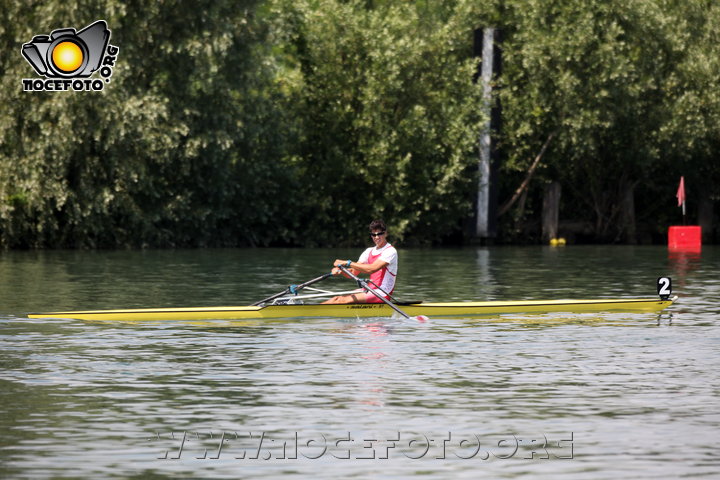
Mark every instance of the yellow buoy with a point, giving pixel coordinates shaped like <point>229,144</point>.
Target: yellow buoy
<point>557,242</point>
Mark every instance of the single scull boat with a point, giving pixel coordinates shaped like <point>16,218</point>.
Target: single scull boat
<point>288,304</point>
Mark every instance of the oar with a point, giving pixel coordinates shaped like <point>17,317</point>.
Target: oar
<point>293,289</point>
<point>365,285</point>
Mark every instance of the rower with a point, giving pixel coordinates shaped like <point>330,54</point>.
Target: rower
<point>379,261</point>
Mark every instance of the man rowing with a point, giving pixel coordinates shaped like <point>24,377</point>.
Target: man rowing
<point>380,262</point>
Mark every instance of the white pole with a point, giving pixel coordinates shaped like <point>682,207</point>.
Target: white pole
<point>483,198</point>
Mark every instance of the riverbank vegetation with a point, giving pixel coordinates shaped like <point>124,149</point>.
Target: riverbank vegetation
<point>294,122</point>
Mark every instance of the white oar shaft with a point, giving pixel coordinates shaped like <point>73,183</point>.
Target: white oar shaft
<point>293,289</point>
<point>364,284</point>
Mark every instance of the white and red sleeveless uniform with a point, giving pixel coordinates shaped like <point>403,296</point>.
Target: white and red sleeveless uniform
<point>385,277</point>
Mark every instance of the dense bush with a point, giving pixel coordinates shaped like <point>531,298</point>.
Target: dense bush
<point>286,122</point>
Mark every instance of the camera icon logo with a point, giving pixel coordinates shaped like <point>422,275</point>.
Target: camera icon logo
<point>68,54</point>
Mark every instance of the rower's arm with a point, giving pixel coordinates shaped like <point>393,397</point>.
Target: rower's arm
<point>368,268</point>
<point>336,270</point>
<point>358,268</point>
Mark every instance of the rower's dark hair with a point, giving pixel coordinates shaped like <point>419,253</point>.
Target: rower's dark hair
<point>378,225</point>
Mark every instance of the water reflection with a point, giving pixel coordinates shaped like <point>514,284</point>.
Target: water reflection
<point>374,355</point>
<point>682,262</point>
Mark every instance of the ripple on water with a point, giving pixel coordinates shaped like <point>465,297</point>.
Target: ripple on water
<point>633,395</point>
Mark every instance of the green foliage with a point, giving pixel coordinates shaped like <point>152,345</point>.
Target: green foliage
<point>388,113</point>
<point>629,86</point>
<point>296,122</point>
<point>180,149</point>
<point>690,130</point>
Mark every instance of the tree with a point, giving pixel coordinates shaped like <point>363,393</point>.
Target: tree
<point>606,75</point>
<point>388,114</point>
<point>182,148</point>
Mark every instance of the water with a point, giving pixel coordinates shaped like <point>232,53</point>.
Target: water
<point>585,396</point>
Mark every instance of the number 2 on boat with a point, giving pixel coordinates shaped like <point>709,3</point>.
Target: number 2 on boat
<point>664,287</point>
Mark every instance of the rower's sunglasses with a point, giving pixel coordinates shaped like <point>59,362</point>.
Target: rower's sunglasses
<point>377,234</point>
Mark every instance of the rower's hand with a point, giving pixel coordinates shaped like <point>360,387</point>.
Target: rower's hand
<point>336,267</point>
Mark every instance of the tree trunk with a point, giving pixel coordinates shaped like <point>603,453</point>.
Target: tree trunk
<point>550,211</point>
<point>627,230</point>
<point>705,217</point>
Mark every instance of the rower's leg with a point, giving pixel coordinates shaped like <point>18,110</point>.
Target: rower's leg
<point>346,299</point>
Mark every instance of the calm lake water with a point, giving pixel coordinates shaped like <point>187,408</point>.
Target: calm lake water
<point>583,396</point>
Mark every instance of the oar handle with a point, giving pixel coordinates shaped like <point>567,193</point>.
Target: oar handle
<point>360,281</point>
